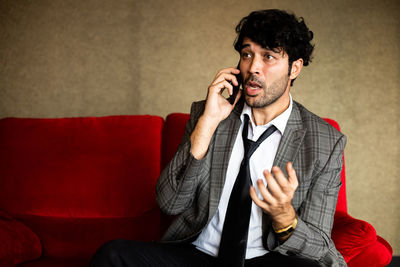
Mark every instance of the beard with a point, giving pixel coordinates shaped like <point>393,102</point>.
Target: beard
<point>269,94</point>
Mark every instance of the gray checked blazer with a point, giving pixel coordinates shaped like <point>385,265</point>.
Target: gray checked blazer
<point>191,188</point>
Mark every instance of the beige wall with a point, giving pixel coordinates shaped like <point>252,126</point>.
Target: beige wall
<point>93,58</point>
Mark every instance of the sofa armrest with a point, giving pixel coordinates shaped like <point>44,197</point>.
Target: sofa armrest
<point>17,242</point>
<point>352,236</point>
<point>378,254</point>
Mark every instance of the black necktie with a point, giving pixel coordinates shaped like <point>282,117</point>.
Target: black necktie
<point>232,249</point>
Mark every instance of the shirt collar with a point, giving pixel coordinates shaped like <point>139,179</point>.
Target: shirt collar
<point>279,122</point>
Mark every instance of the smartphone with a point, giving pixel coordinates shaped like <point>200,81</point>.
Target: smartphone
<point>236,89</point>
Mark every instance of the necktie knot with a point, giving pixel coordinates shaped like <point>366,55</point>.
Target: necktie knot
<point>249,145</point>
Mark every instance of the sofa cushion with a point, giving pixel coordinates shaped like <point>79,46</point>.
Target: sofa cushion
<point>351,236</point>
<point>17,242</point>
<point>79,238</point>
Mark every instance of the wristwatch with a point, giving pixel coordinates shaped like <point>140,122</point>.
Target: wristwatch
<point>287,230</point>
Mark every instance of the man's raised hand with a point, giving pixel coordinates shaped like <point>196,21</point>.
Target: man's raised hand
<point>278,195</point>
<point>217,106</point>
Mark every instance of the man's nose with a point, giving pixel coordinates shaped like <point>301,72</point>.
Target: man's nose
<point>256,65</point>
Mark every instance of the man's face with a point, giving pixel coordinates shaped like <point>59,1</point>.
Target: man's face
<point>265,74</point>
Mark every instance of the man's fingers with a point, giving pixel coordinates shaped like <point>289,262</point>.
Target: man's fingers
<point>237,97</point>
<point>292,177</point>
<point>228,71</point>
<point>268,198</point>
<point>284,183</point>
<point>219,87</point>
<point>279,176</point>
<point>253,194</point>
<point>228,75</point>
<point>272,184</point>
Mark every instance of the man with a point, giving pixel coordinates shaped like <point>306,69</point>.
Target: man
<point>244,197</point>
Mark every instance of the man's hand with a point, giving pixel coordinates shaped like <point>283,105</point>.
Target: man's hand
<point>277,196</point>
<point>217,109</point>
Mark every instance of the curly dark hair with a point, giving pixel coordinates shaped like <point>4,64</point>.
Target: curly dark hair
<point>277,29</point>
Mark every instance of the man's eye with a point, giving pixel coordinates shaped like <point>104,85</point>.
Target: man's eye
<point>245,55</point>
<point>269,56</point>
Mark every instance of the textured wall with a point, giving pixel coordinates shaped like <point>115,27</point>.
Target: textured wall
<point>94,58</point>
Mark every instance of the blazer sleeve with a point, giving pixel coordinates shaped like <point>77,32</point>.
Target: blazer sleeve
<point>177,184</point>
<point>311,237</point>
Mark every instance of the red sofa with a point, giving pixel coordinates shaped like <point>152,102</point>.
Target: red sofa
<point>68,185</point>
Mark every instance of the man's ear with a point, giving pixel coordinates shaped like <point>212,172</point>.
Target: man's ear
<point>296,68</point>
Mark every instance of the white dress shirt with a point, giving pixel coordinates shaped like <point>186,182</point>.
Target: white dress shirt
<point>262,159</point>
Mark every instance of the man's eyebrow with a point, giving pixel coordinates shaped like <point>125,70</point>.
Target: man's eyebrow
<point>244,46</point>
<point>277,50</point>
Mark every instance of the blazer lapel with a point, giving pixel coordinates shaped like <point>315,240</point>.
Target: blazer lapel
<point>291,140</point>
<point>222,146</point>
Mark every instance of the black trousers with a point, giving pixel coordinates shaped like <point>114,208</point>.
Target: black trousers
<point>149,254</point>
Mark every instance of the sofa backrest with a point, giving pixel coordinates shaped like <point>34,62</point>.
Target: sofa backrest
<point>175,128</point>
<point>67,172</point>
<point>342,198</point>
